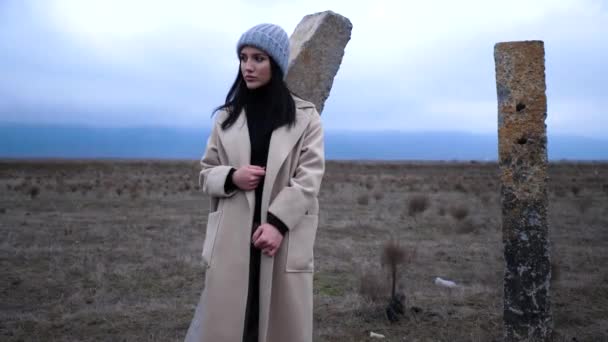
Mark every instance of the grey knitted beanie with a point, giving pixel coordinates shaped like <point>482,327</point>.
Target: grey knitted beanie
<point>270,38</point>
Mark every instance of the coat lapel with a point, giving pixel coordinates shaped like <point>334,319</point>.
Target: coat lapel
<point>282,142</point>
<point>235,141</point>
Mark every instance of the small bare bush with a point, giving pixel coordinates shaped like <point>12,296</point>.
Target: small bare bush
<point>134,191</point>
<point>418,204</point>
<point>466,227</point>
<point>477,190</point>
<point>459,212</point>
<point>363,199</point>
<point>559,192</point>
<point>21,186</point>
<point>34,191</point>
<point>584,204</point>
<point>369,183</point>
<point>459,187</point>
<point>394,256</point>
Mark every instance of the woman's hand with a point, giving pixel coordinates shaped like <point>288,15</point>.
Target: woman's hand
<point>267,238</point>
<point>248,177</point>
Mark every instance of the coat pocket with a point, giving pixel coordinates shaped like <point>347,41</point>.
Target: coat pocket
<point>301,240</point>
<point>213,223</point>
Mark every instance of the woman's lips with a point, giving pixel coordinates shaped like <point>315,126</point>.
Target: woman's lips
<point>250,78</point>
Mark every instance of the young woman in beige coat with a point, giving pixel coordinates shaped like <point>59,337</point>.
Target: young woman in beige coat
<point>262,169</point>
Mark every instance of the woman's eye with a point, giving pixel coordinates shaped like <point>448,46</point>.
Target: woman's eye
<point>243,58</point>
<point>259,58</point>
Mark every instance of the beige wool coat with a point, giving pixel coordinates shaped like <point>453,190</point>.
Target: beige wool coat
<point>294,170</point>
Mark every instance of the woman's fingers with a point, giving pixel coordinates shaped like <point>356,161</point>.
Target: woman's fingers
<point>262,244</point>
<point>257,173</point>
<point>253,183</point>
<point>256,234</point>
<point>256,168</point>
<point>259,239</point>
<point>263,239</point>
<point>268,251</point>
<point>271,251</point>
<point>248,177</point>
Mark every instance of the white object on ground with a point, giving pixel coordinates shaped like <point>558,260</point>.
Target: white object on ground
<point>445,283</point>
<point>374,335</point>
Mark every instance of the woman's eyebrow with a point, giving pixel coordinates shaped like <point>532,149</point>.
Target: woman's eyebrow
<point>255,54</point>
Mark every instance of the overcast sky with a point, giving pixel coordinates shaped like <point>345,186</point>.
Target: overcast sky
<point>410,65</point>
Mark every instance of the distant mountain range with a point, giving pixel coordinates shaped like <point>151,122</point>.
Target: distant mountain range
<point>63,141</point>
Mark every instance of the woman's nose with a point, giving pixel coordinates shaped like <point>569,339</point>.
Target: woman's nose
<point>249,66</point>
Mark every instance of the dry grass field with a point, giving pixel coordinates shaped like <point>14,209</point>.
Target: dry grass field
<point>110,250</point>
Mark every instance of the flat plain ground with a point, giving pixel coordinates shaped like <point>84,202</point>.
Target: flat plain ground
<point>110,250</point>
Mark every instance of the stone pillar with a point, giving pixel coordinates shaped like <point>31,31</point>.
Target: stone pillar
<point>522,144</point>
<point>317,47</point>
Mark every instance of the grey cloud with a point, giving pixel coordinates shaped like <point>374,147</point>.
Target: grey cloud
<point>177,77</point>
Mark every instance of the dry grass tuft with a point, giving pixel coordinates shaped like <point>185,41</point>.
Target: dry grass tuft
<point>378,195</point>
<point>460,188</point>
<point>459,212</point>
<point>559,192</point>
<point>418,204</point>
<point>466,227</point>
<point>583,204</point>
<point>363,199</point>
<point>34,191</point>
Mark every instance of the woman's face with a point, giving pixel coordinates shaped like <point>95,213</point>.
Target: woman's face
<point>255,67</point>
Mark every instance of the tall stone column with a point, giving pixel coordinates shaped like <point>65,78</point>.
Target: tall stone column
<point>317,47</point>
<point>522,144</point>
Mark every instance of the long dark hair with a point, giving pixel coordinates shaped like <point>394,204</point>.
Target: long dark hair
<point>281,104</point>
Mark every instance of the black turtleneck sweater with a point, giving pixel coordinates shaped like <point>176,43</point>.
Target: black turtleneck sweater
<point>261,125</point>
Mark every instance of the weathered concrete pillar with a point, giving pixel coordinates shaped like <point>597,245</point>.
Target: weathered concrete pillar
<point>522,144</point>
<point>317,47</point>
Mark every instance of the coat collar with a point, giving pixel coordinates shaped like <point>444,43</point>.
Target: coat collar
<point>235,142</point>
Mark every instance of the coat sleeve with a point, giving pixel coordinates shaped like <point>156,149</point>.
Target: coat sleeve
<point>291,204</point>
<point>212,178</point>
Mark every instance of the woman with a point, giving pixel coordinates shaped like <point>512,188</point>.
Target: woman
<point>262,169</point>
